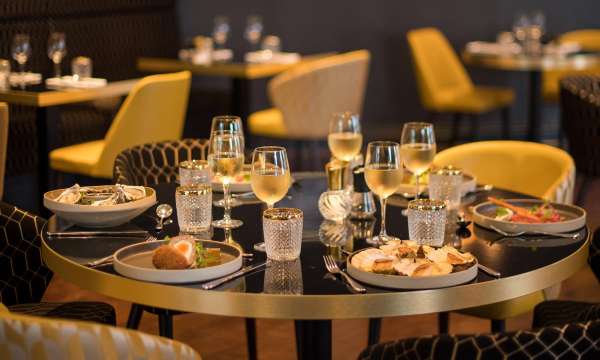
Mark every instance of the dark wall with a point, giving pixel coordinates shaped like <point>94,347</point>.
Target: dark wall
<point>311,26</point>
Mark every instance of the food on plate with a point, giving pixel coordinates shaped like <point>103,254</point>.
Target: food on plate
<point>537,214</point>
<point>242,178</point>
<point>183,252</point>
<point>101,195</point>
<point>407,258</point>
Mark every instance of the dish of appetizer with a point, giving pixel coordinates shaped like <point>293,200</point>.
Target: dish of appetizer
<point>241,183</point>
<point>181,259</point>
<point>407,265</point>
<point>532,215</point>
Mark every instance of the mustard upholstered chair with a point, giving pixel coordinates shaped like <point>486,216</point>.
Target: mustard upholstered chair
<point>446,88</point>
<point>153,111</point>
<point>35,338</point>
<point>589,40</point>
<point>307,95</point>
<point>531,168</point>
<point>3,143</point>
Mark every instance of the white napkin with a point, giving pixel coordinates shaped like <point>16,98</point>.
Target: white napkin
<point>205,57</point>
<point>270,57</point>
<point>17,78</point>
<point>68,81</point>
<point>493,48</point>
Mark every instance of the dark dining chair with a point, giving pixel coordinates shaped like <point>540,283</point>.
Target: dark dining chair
<point>151,164</point>
<point>25,277</point>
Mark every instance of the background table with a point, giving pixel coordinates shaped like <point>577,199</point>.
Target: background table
<point>525,269</point>
<point>534,66</point>
<point>44,99</point>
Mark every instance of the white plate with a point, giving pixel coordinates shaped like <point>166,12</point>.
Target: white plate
<point>484,215</point>
<point>409,282</point>
<point>469,184</point>
<point>235,187</point>
<point>98,216</point>
<point>135,261</point>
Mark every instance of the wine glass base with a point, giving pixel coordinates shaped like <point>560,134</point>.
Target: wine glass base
<point>227,224</point>
<point>260,247</point>
<point>233,202</point>
<point>381,239</point>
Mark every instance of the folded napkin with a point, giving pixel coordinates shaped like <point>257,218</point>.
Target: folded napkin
<point>17,78</point>
<point>493,48</point>
<point>270,57</point>
<point>82,83</point>
<point>197,57</point>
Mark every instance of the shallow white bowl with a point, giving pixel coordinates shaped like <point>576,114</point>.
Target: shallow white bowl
<point>98,216</point>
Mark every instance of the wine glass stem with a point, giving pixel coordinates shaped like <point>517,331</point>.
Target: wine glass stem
<point>226,202</point>
<point>382,231</point>
<point>417,178</point>
<point>270,205</point>
<point>57,69</point>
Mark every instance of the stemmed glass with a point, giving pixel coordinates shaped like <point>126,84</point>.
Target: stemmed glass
<point>234,124</point>
<point>254,28</point>
<point>383,173</point>
<point>417,149</point>
<point>220,31</point>
<point>345,138</point>
<point>270,177</point>
<point>520,26</point>
<point>226,158</point>
<point>21,50</point>
<point>57,49</point>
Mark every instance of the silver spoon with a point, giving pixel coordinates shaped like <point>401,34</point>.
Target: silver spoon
<point>163,211</point>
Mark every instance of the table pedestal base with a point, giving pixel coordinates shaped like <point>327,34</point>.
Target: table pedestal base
<point>313,339</point>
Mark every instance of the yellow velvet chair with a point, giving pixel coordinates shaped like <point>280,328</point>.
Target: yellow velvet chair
<point>153,111</point>
<point>3,143</point>
<point>446,88</point>
<point>589,40</point>
<point>307,95</point>
<point>530,168</point>
<point>35,338</point>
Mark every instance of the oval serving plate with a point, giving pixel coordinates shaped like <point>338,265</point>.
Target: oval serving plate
<point>99,216</point>
<point>135,261</point>
<point>408,282</point>
<point>484,215</point>
<point>469,184</point>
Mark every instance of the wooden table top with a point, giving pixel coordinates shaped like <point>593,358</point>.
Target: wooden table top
<point>41,96</point>
<point>231,69</point>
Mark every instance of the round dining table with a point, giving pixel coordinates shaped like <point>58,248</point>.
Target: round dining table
<point>303,290</point>
<point>533,65</point>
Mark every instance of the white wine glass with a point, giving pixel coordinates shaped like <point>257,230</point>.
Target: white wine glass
<point>345,138</point>
<point>234,124</point>
<point>226,159</point>
<point>253,32</point>
<point>221,31</point>
<point>417,149</point>
<point>383,173</point>
<point>21,50</point>
<point>57,49</point>
<point>270,177</point>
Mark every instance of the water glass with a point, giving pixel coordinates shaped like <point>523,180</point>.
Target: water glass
<point>194,208</point>
<point>445,184</point>
<point>427,221</point>
<point>282,229</point>
<point>271,43</point>
<point>81,67</point>
<point>283,277</point>
<point>4,74</point>
<point>194,172</point>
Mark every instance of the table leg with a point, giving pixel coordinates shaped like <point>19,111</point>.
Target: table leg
<point>313,339</point>
<point>42,154</point>
<point>535,103</point>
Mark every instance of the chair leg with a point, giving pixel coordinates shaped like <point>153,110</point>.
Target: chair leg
<point>505,115</point>
<point>474,127</point>
<point>498,326</point>
<point>443,322</point>
<point>585,185</point>
<point>374,331</point>
<point>135,316</point>
<point>165,324</point>
<point>455,128</point>
<point>251,338</point>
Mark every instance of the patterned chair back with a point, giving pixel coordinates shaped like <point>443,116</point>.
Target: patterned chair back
<point>29,337</point>
<point>154,163</point>
<point>24,277</point>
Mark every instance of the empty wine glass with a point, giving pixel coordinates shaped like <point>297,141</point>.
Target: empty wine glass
<point>254,28</point>
<point>226,159</point>
<point>21,50</point>
<point>417,149</point>
<point>345,138</point>
<point>537,25</point>
<point>221,31</point>
<point>383,173</point>
<point>57,49</point>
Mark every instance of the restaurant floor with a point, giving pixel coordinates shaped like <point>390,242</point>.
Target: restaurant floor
<point>222,337</point>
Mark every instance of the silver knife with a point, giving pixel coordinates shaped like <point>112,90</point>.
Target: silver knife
<point>213,284</point>
<point>489,271</point>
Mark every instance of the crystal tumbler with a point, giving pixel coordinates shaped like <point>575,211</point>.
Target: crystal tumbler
<point>194,208</point>
<point>283,277</point>
<point>193,172</point>
<point>427,221</point>
<point>81,68</point>
<point>445,184</point>
<point>282,229</point>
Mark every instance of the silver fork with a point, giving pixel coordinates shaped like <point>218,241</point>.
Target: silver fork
<point>108,259</point>
<point>519,233</point>
<point>333,268</point>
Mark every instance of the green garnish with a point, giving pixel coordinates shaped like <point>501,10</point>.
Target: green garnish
<point>501,211</point>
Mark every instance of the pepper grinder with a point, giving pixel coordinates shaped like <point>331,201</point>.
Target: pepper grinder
<point>363,203</point>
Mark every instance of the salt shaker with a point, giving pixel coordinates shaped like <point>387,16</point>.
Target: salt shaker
<point>363,203</point>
